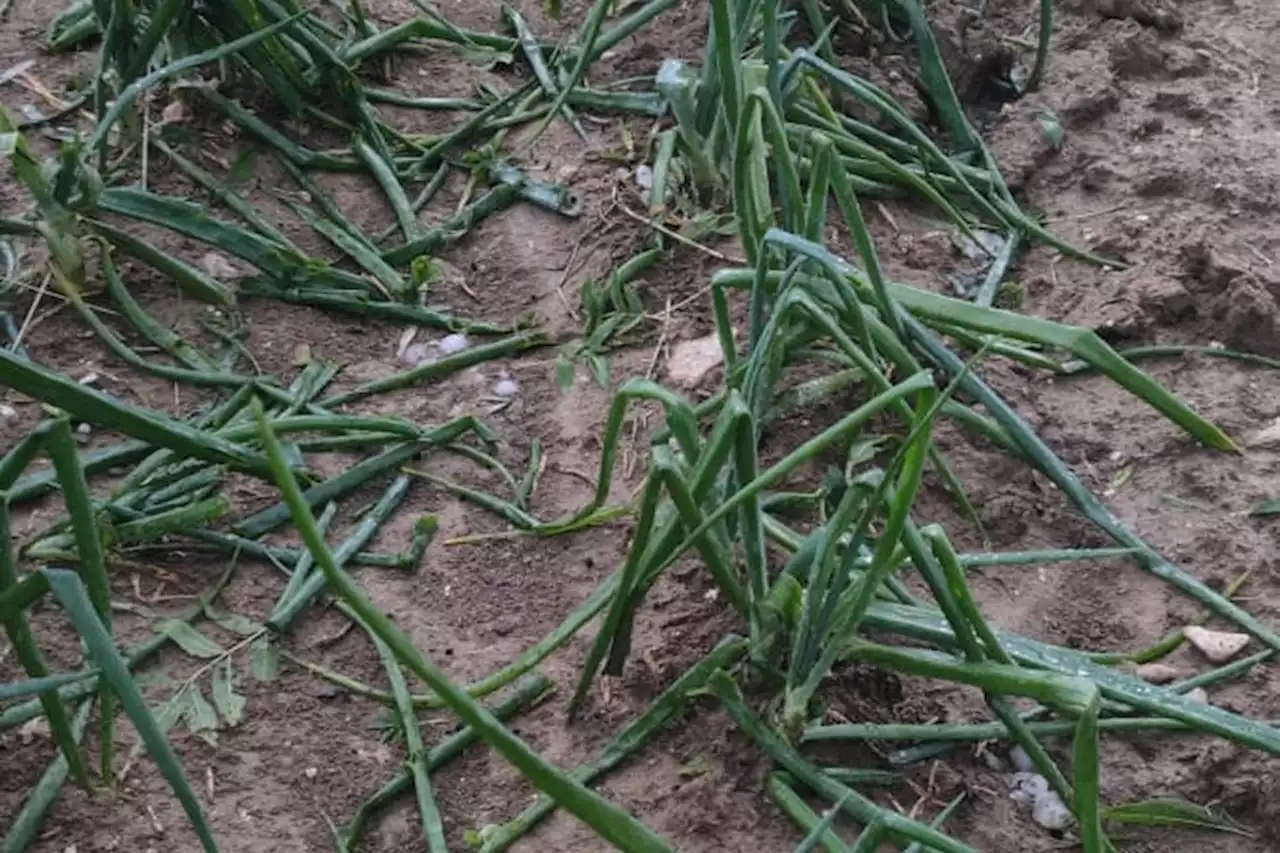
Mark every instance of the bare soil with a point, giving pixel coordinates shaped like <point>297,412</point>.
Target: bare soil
<point>1171,160</point>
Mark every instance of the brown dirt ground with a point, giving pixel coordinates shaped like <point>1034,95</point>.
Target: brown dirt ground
<point>1171,159</point>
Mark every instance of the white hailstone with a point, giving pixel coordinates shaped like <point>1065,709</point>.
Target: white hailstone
<point>506,387</point>
<point>1031,790</point>
<point>1050,812</point>
<point>454,343</point>
<point>1020,760</point>
<point>218,266</point>
<point>1027,787</point>
<point>1197,696</point>
<point>7,412</point>
<point>416,354</point>
<point>644,177</point>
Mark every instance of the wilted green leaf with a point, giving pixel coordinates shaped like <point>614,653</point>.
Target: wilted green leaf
<point>422,270</point>
<point>486,57</point>
<point>699,765</point>
<point>172,711</point>
<point>1054,135</point>
<point>264,659</point>
<point>1168,811</point>
<point>150,678</point>
<point>200,717</point>
<point>564,372</point>
<point>599,365</point>
<point>233,622</point>
<point>189,639</point>
<point>1266,508</point>
<point>230,704</point>
<point>863,451</point>
<point>243,167</point>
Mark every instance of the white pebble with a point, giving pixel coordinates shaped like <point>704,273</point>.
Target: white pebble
<point>1156,673</point>
<point>1198,696</point>
<point>1050,812</point>
<point>7,412</point>
<point>644,177</point>
<point>1020,760</point>
<point>453,344</point>
<point>506,387</point>
<point>1217,646</point>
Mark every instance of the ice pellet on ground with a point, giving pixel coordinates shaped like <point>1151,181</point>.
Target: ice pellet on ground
<point>454,343</point>
<point>1050,812</point>
<point>1020,760</point>
<point>506,387</point>
<point>644,177</point>
<point>1027,787</point>
<point>416,354</point>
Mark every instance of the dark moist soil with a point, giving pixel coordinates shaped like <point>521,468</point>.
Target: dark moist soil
<point>1170,161</point>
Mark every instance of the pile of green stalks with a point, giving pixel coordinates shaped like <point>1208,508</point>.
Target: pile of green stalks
<point>768,134</point>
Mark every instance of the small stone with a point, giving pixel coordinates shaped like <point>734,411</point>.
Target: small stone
<point>454,343</point>
<point>311,772</point>
<point>302,355</point>
<point>1268,436</point>
<point>1197,696</point>
<point>329,691</point>
<point>1217,646</point>
<point>1050,812</point>
<point>218,266</point>
<point>1156,673</point>
<point>173,112</point>
<point>691,361</point>
<point>37,727</point>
